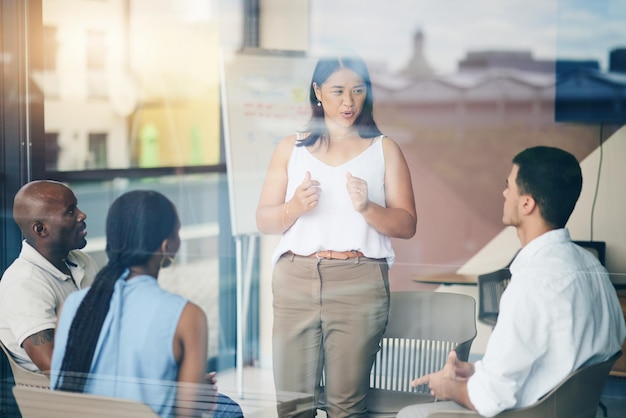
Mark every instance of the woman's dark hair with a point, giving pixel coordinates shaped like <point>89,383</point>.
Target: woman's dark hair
<point>136,225</point>
<point>316,128</point>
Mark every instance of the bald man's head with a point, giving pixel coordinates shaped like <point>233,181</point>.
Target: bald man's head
<point>47,214</point>
<point>31,202</point>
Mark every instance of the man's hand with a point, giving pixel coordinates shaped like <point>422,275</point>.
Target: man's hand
<point>462,369</point>
<point>437,382</point>
<point>449,382</point>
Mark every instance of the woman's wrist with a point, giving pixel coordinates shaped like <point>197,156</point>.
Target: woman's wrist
<point>285,216</point>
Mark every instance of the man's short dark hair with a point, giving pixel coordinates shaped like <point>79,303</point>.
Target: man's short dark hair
<point>553,178</point>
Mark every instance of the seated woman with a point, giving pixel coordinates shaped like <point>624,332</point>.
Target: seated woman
<point>125,336</point>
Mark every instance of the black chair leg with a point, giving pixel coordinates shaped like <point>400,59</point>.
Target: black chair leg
<point>604,409</point>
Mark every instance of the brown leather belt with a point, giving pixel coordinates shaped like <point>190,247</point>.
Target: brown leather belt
<point>333,255</point>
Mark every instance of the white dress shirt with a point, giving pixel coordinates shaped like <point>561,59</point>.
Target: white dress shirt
<point>559,312</point>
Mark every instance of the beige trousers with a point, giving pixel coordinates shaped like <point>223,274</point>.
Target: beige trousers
<point>329,316</point>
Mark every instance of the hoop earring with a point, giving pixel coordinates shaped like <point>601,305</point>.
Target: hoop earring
<point>319,104</point>
<point>166,261</point>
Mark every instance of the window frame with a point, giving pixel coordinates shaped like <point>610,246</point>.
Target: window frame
<point>23,159</point>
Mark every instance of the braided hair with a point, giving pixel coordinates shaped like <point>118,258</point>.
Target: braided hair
<point>136,225</point>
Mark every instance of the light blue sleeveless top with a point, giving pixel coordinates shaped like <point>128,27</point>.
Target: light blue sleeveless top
<point>134,356</point>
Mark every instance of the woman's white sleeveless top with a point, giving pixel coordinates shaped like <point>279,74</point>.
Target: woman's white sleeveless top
<point>334,224</point>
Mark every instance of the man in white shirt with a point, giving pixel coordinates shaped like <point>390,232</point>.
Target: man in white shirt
<point>49,268</point>
<point>559,312</point>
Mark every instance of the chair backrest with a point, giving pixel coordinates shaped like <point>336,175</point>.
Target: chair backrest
<point>423,328</point>
<point>577,396</point>
<point>39,402</point>
<point>25,377</point>
<point>491,286</point>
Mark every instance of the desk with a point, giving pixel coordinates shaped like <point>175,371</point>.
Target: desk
<point>448,279</point>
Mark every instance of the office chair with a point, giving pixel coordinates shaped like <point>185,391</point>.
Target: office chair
<point>491,286</point>
<point>25,377</point>
<point>423,328</point>
<point>577,396</point>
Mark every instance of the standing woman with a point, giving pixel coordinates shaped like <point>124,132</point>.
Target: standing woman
<point>336,192</point>
<point>125,336</point>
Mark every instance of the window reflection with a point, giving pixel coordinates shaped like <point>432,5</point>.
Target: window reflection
<point>463,91</point>
<point>130,83</point>
<point>135,84</point>
<point>195,273</point>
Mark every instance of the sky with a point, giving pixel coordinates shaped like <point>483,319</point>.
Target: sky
<point>383,30</point>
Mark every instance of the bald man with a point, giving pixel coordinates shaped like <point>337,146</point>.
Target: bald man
<point>49,268</point>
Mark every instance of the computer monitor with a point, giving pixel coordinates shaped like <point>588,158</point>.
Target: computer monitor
<point>597,248</point>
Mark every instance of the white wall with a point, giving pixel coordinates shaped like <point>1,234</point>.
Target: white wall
<point>609,220</point>
<point>609,223</point>
<point>284,24</point>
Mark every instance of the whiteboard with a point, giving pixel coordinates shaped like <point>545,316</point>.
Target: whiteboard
<point>264,99</point>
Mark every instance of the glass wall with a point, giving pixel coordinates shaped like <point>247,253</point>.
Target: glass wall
<point>196,273</point>
<point>114,95</point>
<point>122,95</point>
<point>130,86</point>
<point>464,86</point>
